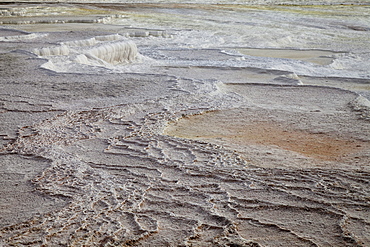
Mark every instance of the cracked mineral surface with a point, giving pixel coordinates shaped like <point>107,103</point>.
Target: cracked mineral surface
<point>151,123</point>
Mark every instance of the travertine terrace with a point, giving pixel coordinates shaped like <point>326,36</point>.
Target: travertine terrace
<point>170,123</point>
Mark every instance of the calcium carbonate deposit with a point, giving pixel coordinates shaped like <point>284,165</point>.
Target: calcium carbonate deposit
<point>185,123</point>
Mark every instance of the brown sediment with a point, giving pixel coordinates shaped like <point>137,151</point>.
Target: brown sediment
<point>228,126</point>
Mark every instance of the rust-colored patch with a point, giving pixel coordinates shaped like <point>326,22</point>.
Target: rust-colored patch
<point>226,126</point>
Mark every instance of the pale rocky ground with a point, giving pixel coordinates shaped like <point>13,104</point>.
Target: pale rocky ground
<point>184,125</point>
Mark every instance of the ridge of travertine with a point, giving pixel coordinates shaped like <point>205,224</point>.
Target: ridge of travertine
<point>149,188</point>
<point>94,145</point>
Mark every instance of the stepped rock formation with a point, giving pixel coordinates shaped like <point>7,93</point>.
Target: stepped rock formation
<point>185,124</point>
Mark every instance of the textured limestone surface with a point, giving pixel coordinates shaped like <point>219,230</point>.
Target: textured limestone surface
<point>185,124</point>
